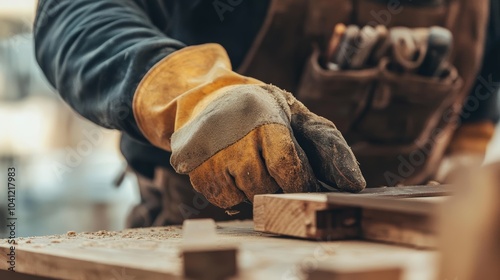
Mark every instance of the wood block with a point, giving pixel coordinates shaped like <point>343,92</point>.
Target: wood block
<point>388,216</point>
<point>211,262</point>
<point>282,214</point>
<point>355,273</point>
<point>202,257</point>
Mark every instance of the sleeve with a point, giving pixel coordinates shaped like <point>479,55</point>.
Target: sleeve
<point>95,53</point>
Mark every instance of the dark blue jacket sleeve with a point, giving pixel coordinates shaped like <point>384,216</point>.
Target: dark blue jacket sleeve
<point>95,53</point>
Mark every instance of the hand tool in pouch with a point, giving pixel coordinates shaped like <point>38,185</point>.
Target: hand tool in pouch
<point>366,40</point>
<point>347,48</point>
<point>439,46</point>
<point>333,45</point>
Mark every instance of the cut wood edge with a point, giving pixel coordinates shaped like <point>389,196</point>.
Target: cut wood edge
<point>293,215</point>
<point>399,221</point>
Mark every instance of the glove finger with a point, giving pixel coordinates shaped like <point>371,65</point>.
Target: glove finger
<point>213,181</point>
<point>245,164</point>
<point>285,160</point>
<point>330,156</point>
<point>252,177</point>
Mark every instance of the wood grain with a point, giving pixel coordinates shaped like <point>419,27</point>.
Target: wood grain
<point>154,253</point>
<point>280,213</point>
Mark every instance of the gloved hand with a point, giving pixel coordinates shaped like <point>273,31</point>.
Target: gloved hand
<point>235,136</point>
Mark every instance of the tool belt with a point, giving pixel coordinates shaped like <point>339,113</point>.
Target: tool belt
<point>398,124</point>
<point>169,199</point>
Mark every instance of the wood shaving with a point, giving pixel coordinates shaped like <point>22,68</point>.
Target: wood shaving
<point>71,233</point>
<point>232,212</point>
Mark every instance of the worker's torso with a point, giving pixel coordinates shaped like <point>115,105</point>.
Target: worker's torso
<point>394,123</point>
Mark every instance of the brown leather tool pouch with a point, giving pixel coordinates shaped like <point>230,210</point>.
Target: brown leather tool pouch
<point>347,92</point>
<point>404,108</point>
<point>398,124</point>
<point>393,120</point>
<point>406,127</point>
<point>408,13</point>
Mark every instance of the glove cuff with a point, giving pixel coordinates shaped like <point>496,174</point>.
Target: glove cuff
<point>178,87</point>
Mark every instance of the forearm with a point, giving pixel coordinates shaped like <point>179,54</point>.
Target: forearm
<point>95,53</point>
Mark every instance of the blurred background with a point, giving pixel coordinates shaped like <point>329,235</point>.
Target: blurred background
<point>65,165</point>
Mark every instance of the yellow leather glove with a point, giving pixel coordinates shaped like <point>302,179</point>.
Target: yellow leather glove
<point>235,136</point>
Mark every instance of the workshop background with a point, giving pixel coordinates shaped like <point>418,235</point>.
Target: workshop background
<point>65,166</point>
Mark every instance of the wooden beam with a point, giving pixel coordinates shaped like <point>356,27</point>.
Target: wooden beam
<point>386,215</point>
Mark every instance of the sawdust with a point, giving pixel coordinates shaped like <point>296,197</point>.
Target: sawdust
<point>104,233</point>
<point>145,239</point>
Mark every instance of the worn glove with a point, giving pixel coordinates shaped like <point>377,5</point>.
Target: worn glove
<point>235,136</point>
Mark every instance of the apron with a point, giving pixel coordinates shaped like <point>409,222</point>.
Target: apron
<point>398,126</point>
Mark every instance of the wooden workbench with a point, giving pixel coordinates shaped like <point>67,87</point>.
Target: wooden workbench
<point>153,253</point>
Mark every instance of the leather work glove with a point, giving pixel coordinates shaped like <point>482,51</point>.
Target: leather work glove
<point>467,149</point>
<point>235,136</point>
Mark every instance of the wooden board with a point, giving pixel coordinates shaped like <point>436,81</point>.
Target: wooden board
<point>406,191</point>
<point>154,253</point>
<point>386,214</point>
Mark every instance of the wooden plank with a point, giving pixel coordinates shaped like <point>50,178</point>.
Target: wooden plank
<point>391,216</point>
<point>97,255</point>
<point>155,253</point>
<point>399,228</point>
<point>412,206</point>
<point>405,191</point>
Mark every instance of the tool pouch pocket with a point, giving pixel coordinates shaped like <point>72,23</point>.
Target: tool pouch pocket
<point>408,13</point>
<point>406,107</point>
<point>340,96</point>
